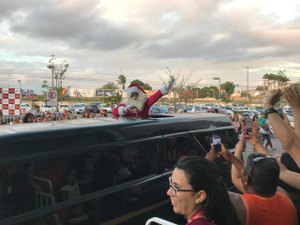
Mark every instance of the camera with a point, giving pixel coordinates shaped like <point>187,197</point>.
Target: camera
<point>216,141</point>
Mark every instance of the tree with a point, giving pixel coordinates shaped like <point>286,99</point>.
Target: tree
<point>180,87</point>
<point>109,85</point>
<point>122,81</point>
<point>203,91</point>
<point>271,79</point>
<point>46,85</point>
<point>282,79</point>
<point>228,88</point>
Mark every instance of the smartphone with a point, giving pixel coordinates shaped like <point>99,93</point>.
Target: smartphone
<point>216,141</point>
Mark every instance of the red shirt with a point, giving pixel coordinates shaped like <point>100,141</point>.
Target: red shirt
<point>275,210</point>
<point>199,218</point>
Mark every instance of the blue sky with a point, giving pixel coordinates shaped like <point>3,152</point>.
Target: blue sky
<point>101,39</point>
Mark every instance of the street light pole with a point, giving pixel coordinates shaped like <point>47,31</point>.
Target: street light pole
<point>20,87</point>
<point>247,67</point>
<point>19,84</point>
<point>52,67</point>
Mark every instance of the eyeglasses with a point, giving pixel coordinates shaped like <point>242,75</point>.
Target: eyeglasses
<point>177,189</point>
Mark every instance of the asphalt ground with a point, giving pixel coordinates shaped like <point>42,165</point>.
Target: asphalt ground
<point>276,144</point>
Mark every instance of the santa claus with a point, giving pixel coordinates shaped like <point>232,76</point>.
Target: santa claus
<point>137,103</point>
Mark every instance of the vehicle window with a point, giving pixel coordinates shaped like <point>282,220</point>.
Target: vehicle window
<point>229,138</point>
<point>29,186</point>
<point>175,148</point>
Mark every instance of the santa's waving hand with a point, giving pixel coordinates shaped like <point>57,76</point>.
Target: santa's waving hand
<point>137,103</point>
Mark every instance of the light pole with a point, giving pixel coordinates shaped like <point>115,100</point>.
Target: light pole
<point>219,79</point>
<point>52,67</point>
<point>20,84</point>
<point>247,67</point>
<point>20,81</point>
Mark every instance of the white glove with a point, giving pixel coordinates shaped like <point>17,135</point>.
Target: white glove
<point>165,89</point>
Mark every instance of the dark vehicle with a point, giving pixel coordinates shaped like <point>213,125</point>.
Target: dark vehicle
<point>93,108</point>
<point>102,170</point>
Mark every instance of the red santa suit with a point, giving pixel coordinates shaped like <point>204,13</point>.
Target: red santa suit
<point>145,102</point>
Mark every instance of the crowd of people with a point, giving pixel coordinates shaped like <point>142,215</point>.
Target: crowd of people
<point>269,186</point>
<point>38,116</point>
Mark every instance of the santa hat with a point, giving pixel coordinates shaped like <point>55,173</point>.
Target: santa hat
<point>134,88</point>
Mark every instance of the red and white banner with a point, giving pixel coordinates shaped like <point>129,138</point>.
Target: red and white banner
<point>10,101</point>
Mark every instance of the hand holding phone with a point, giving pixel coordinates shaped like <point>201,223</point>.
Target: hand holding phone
<point>216,141</point>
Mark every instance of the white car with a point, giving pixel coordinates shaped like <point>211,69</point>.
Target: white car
<point>25,107</point>
<point>78,108</point>
<point>107,107</point>
<point>63,107</point>
<point>45,108</point>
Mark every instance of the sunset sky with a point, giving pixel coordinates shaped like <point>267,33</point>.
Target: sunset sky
<point>101,39</point>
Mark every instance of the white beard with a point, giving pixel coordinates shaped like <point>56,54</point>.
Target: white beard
<point>138,103</point>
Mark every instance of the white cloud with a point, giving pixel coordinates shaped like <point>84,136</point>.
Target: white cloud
<point>98,38</point>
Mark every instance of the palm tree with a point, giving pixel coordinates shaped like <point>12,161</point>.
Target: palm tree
<point>282,79</point>
<point>122,81</point>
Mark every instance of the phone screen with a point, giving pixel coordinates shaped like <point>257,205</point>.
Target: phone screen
<point>216,141</point>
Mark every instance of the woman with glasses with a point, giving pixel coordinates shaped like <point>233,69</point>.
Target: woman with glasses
<point>198,192</point>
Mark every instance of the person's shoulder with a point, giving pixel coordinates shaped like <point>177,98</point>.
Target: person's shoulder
<point>235,197</point>
<point>202,221</point>
<point>239,205</point>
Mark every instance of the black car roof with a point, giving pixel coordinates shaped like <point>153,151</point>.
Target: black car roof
<point>69,135</point>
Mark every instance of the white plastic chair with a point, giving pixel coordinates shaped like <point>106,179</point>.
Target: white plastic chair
<point>159,221</point>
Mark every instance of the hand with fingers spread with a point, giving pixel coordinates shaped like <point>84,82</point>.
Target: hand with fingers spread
<point>292,96</point>
<point>273,99</point>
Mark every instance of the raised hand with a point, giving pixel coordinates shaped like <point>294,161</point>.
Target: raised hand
<point>292,96</point>
<point>273,99</point>
<point>170,83</point>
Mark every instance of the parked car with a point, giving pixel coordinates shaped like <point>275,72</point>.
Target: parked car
<point>260,109</point>
<point>63,107</point>
<point>107,107</point>
<point>158,110</point>
<point>78,108</point>
<point>94,108</point>
<point>232,108</point>
<point>25,107</point>
<point>192,109</point>
<point>46,108</point>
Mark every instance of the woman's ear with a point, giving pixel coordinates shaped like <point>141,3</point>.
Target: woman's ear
<point>200,197</point>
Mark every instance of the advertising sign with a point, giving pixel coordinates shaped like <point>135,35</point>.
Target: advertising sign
<point>10,100</point>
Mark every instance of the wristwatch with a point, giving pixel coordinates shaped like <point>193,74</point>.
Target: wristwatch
<point>269,111</point>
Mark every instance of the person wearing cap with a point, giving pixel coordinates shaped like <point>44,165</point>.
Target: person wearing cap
<point>137,103</point>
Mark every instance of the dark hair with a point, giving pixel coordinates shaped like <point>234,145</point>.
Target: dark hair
<point>204,175</point>
<point>263,174</point>
<point>26,117</point>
